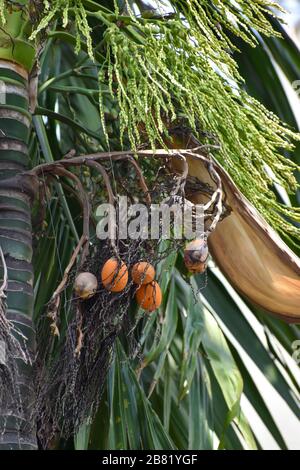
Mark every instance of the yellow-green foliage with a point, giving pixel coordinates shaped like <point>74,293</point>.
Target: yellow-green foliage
<point>63,7</point>
<point>158,69</point>
<point>2,10</point>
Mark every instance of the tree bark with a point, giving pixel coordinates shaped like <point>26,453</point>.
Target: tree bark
<point>16,432</point>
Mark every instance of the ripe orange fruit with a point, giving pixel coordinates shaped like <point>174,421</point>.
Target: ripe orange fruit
<point>142,273</point>
<point>195,256</point>
<point>114,275</point>
<point>85,285</point>
<point>149,296</point>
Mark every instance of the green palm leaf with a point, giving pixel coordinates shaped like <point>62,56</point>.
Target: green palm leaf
<point>115,79</point>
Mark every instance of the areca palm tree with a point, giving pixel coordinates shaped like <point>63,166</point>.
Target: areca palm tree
<point>122,83</point>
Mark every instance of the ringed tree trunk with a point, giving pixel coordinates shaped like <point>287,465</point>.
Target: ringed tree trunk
<point>17,57</point>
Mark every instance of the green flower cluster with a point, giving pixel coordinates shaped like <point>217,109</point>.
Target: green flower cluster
<point>161,69</point>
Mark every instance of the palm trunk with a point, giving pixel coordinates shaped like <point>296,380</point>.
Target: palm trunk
<point>15,224</point>
<point>16,240</point>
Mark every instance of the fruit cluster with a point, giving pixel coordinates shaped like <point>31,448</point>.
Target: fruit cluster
<point>114,277</point>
